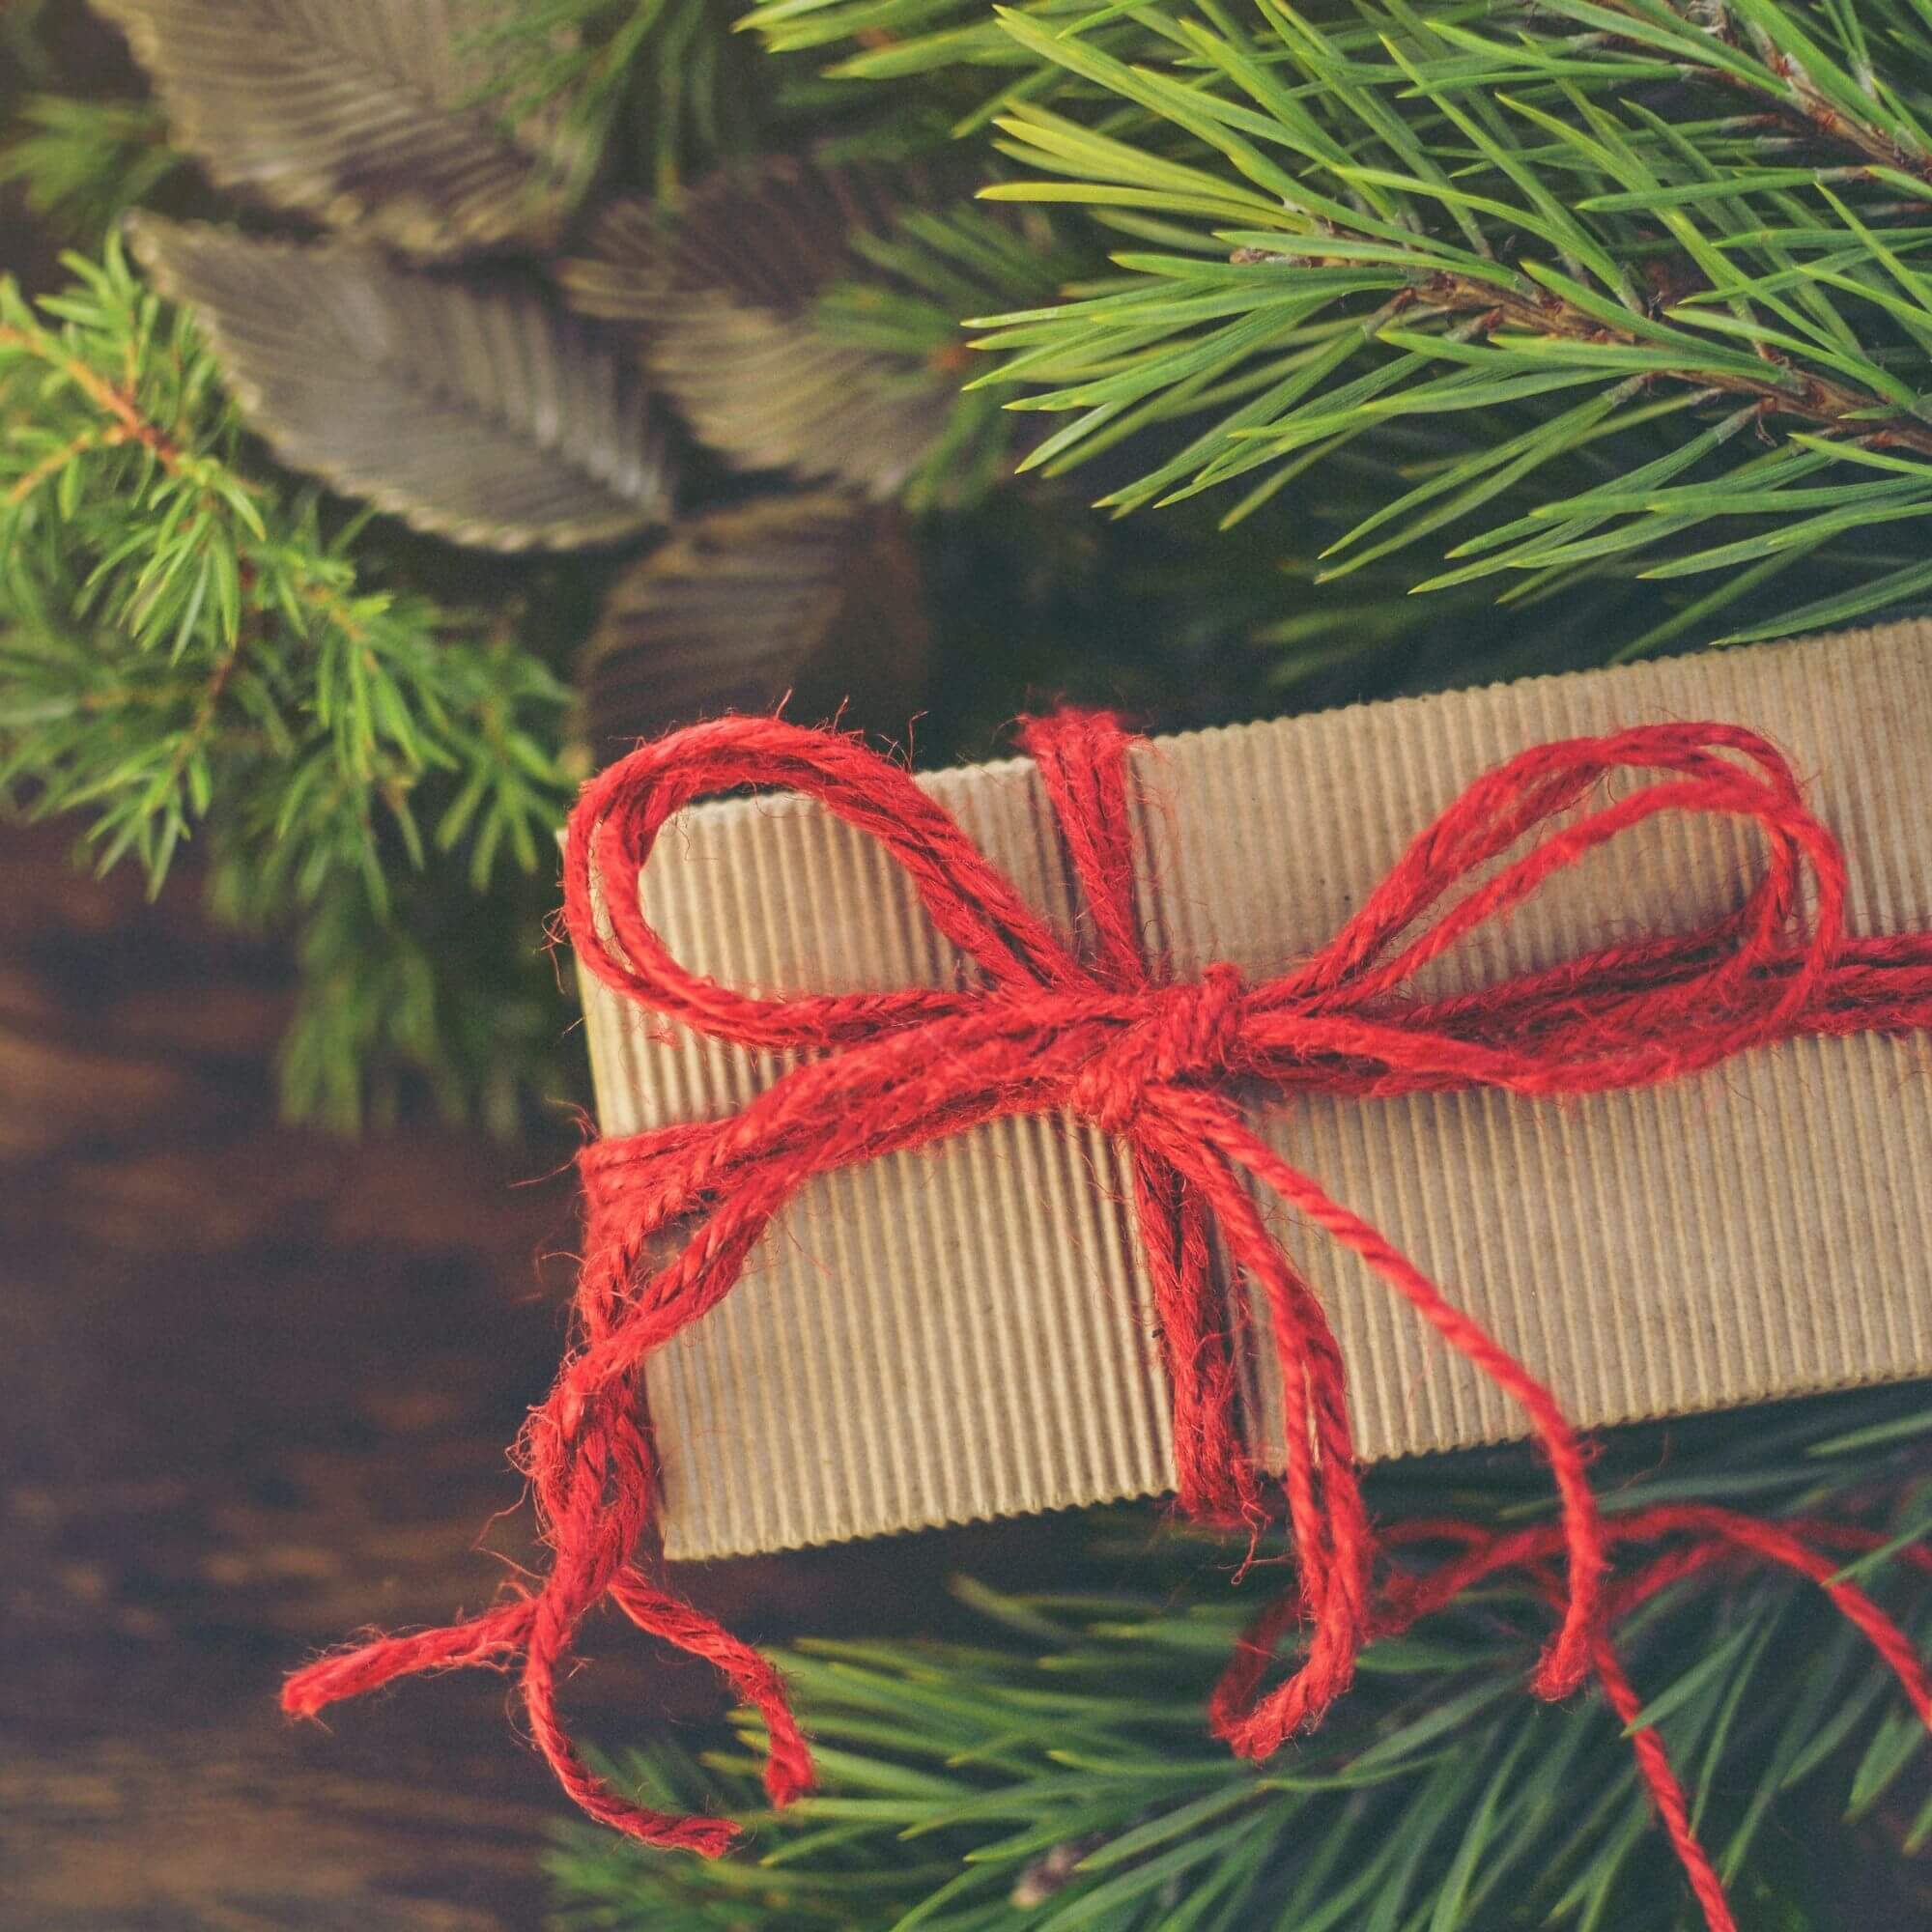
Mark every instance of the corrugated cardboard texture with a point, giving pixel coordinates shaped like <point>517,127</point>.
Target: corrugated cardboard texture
<point>964,1332</point>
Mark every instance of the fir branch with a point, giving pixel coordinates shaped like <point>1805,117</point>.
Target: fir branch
<point>81,164</point>
<point>442,990</point>
<point>657,89</point>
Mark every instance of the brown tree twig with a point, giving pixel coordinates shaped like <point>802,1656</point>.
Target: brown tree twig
<point>1806,111</point>
<point>1785,390</point>
<point>116,404</point>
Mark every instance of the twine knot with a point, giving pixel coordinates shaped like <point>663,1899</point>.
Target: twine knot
<point>879,1072</point>
<point>1190,1031</point>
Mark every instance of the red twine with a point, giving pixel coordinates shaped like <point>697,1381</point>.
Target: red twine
<point>1099,1035</point>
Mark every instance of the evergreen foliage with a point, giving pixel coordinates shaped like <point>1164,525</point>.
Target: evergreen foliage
<point>84,164</point>
<point>1702,224</point>
<point>181,644</point>
<point>1053,1771</point>
<point>1599,322</point>
<point>652,91</point>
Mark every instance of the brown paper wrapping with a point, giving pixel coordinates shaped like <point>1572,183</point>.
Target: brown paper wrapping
<point>965,1332</point>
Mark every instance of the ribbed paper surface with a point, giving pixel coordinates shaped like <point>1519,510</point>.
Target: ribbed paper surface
<point>965,1332</point>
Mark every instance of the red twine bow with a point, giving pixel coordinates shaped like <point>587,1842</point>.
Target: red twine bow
<point>1096,1033</point>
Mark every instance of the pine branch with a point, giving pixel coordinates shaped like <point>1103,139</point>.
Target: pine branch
<point>1053,1771</point>
<point>1770,62</point>
<point>1517,317</point>
<point>1436,222</point>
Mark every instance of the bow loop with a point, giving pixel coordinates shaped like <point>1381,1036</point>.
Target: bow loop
<point>1623,1014</point>
<point>624,809</point>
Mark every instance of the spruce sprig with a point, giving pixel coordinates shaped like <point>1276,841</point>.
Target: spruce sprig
<point>81,164</point>
<point>660,85</point>
<point>186,647</point>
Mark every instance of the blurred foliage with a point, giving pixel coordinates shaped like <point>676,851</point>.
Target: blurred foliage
<point>652,91</point>
<point>84,164</point>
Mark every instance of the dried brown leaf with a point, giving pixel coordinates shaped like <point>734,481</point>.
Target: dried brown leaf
<point>363,114</point>
<point>624,276</point>
<point>816,595</point>
<point>723,316</point>
<point>474,410</point>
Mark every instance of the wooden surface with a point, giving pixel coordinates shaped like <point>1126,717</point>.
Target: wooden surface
<point>255,1388</point>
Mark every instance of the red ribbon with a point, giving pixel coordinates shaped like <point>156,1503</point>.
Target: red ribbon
<point>1099,1033</point>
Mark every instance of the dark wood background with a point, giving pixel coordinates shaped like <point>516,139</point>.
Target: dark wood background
<point>256,1386</point>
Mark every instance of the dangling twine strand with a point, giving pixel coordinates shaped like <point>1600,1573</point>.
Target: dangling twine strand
<point>1097,1034</point>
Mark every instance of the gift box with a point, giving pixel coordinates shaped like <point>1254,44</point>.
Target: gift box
<point>966,1331</point>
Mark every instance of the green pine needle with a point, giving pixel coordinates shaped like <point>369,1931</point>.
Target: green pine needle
<point>1483,214</point>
